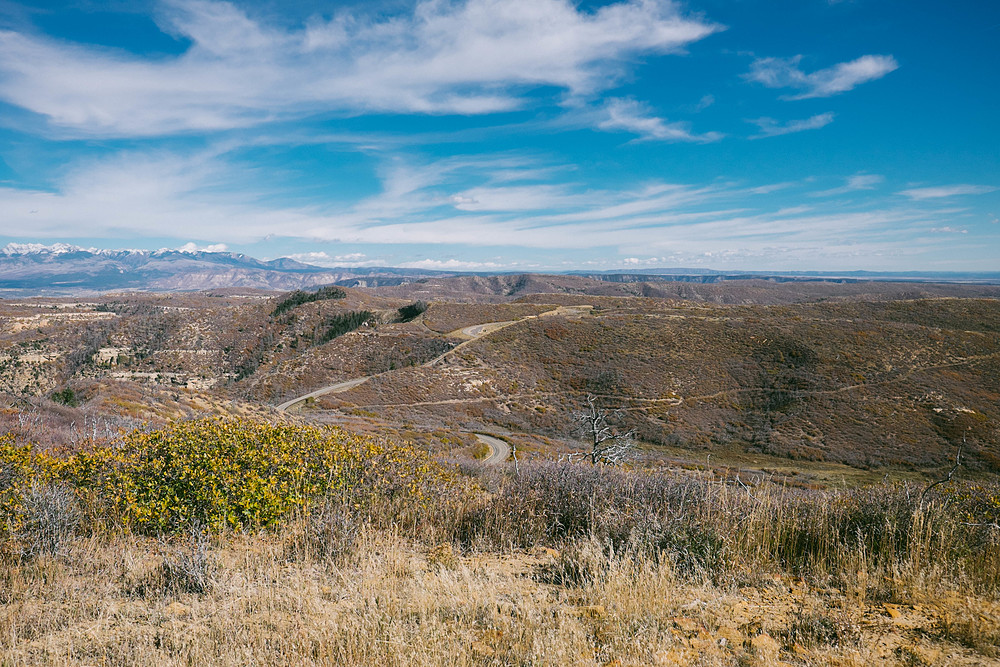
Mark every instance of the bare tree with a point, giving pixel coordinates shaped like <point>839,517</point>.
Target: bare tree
<point>607,445</point>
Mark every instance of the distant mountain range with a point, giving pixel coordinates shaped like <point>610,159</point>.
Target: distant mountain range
<point>712,275</point>
<point>62,269</point>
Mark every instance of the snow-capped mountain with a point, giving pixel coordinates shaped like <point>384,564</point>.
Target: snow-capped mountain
<point>32,268</point>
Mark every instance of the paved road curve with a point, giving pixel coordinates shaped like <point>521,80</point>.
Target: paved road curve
<point>329,389</point>
<point>499,450</point>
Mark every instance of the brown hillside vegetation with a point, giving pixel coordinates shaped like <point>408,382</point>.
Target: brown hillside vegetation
<point>858,376</point>
<point>497,289</point>
<point>138,528</point>
<point>868,384</point>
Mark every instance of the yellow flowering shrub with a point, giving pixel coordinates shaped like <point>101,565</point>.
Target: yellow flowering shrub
<point>975,503</point>
<point>19,465</point>
<point>222,473</point>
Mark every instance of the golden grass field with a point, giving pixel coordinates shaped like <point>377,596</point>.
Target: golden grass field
<point>377,555</point>
<point>396,602</point>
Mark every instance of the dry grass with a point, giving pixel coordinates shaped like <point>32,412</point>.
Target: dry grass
<point>557,564</point>
<point>398,603</point>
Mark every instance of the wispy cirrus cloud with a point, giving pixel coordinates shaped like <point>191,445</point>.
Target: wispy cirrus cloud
<point>453,265</point>
<point>943,191</point>
<point>348,260</point>
<point>854,183</point>
<point>785,73</point>
<point>769,127</point>
<point>416,207</point>
<point>628,115</point>
<point>471,57</point>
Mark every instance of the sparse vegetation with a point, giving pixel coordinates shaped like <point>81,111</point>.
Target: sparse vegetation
<point>240,541</point>
<point>622,561</point>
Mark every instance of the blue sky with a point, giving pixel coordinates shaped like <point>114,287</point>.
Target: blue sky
<point>509,134</point>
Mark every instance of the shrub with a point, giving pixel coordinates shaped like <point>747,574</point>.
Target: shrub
<point>298,297</point>
<point>338,325</point>
<point>66,397</point>
<point>50,516</point>
<point>412,311</point>
<point>20,468</point>
<point>224,474</point>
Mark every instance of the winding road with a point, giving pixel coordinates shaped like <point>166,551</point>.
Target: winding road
<point>329,389</point>
<point>499,450</point>
<point>473,333</point>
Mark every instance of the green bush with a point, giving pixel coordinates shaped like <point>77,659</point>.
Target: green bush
<point>412,311</point>
<point>338,325</point>
<point>298,297</point>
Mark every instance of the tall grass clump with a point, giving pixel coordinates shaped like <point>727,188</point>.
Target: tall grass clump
<point>712,528</point>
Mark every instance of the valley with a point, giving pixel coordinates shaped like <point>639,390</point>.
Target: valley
<point>862,380</point>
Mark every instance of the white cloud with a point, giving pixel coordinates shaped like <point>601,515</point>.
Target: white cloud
<point>521,198</point>
<point>854,183</point>
<point>348,260</point>
<point>785,73</point>
<point>769,127</point>
<point>451,265</point>
<point>632,116</point>
<point>643,261</point>
<point>949,230</point>
<point>669,221</point>
<point>864,181</point>
<point>464,57</point>
<point>705,102</point>
<point>942,191</point>
<point>194,247</point>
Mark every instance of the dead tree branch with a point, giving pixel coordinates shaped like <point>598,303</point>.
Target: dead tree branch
<point>606,444</point>
<point>946,478</point>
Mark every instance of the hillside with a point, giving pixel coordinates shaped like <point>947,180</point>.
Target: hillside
<point>780,511</point>
<point>745,290</point>
<point>859,378</point>
<point>898,383</point>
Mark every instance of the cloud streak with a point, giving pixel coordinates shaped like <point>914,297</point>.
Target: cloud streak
<point>769,127</point>
<point>943,191</point>
<point>631,116</point>
<point>785,73</point>
<point>433,206</point>
<point>854,184</point>
<point>471,57</point>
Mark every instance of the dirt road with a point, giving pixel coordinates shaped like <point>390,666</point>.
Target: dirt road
<point>499,450</point>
